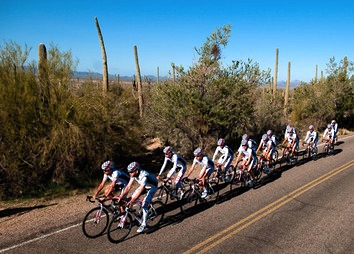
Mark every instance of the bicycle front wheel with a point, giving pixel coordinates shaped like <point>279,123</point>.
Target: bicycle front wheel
<point>119,228</point>
<point>188,201</point>
<point>161,194</point>
<point>95,222</point>
<point>156,213</point>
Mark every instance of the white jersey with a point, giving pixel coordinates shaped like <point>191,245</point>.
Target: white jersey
<point>178,163</point>
<point>226,152</point>
<point>311,137</point>
<point>118,176</point>
<point>206,161</point>
<point>331,134</point>
<point>146,178</point>
<point>291,138</point>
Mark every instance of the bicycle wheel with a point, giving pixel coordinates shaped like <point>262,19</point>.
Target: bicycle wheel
<point>95,222</point>
<point>161,194</point>
<point>236,179</point>
<point>214,189</point>
<point>119,228</point>
<point>156,213</point>
<point>275,155</point>
<point>325,150</point>
<point>257,172</point>
<point>188,201</point>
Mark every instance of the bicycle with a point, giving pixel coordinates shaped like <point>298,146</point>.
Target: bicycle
<point>121,224</point>
<point>96,220</point>
<point>241,177</point>
<point>194,194</point>
<point>289,157</point>
<point>220,175</point>
<point>327,149</point>
<point>166,192</point>
<point>310,152</point>
<point>262,167</point>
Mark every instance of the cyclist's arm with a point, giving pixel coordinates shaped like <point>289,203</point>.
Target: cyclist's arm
<point>110,188</point>
<point>259,147</point>
<point>137,194</point>
<point>127,188</point>
<point>100,187</point>
<point>190,170</point>
<point>163,167</point>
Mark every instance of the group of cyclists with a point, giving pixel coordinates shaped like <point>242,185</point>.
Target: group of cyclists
<point>246,156</point>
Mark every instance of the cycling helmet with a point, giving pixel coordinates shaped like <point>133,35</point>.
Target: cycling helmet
<point>198,152</point>
<point>311,127</point>
<point>245,136</point>
<point>329,126</point>
<point>107,165</point>
<point>288,127</point>
<point>133,166</point>
<point>333,122</point>
<point>244,142</point>
<point>265,137</point>
<point>290,130</point>
<point>168,149</point>
<point>269,132</point>
<point>221,142</point>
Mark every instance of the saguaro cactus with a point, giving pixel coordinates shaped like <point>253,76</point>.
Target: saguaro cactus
<point>316,74</point>
<point>275,71</point>
<point>140,93</point>
<point>158,75</point>
<point>345,65</point>
<point>287,88</point>
<point>42,63</point>
<point>173,72</point>
<point>104,59</point>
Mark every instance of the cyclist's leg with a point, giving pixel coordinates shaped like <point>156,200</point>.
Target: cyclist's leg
<point>145,206</point>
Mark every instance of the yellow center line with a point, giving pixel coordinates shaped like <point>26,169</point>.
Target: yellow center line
<point>256,216</point>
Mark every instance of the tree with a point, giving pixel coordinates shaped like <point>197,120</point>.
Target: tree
<point>208,100</point>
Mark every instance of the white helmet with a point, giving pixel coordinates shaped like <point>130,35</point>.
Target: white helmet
<point>198,152</point>
<point>133,166</point>
<point>107,165</point>
<point>221,142</point>
<point>168,149</point>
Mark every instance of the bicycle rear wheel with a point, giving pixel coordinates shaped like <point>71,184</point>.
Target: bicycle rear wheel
<point>156,213</point>
<point>95,222</point>
<point>188,201</point>
<point>119,228</point>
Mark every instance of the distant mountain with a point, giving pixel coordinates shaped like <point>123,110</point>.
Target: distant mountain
<point>96,75</point>
<point>293,83</point>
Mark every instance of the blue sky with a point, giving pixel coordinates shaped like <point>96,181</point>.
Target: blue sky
<point>307,33</point>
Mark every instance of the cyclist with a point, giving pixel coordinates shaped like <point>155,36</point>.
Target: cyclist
<point>248,161</point>
<point>271,136</point>
<point>147,182</point>
<point>226,158</point>
<point>311,138</point>
<point>119,179</point>
<point>291,139</point>
<point>250,143</point>
<point>335,127</point>
<point>179,166</point>
<point>207,168</point>
<point>329,135</point>
<point>268,149</point>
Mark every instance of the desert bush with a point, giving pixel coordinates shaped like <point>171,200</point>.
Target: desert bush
<point>52,132</point>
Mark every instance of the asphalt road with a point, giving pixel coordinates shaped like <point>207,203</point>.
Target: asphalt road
<point>308,208</point>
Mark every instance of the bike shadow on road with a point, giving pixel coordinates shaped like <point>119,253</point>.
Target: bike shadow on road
<point>20,210</point>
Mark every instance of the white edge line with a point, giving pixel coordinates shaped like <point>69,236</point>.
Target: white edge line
<point>38,238</point>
